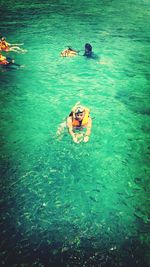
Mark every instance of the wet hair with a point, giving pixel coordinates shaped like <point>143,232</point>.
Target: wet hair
<point>88,47</point>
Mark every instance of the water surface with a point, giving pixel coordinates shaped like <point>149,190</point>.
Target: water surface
<point>64,204</point>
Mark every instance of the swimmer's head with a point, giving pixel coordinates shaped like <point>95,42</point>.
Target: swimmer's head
<point>88,47</point>
<point>79,109</point>
<point>79,113</point>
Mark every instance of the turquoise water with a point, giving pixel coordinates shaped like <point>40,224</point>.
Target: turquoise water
<point>67,204</point>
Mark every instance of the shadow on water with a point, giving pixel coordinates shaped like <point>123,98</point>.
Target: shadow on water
<point>134,102</point>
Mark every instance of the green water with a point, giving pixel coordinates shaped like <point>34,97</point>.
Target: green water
<point>67,204</point>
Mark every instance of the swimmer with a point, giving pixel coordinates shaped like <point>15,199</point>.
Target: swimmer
<point>69,52</point>
<point>88,50</point>
<point>7,61</point>
<point>7,47</point>
<point>78,121</point>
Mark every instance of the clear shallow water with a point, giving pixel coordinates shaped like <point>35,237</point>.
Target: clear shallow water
<point>66,204</point>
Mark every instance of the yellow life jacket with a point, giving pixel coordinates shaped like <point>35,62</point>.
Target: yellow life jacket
<point>4,46</point>
<point>2,58</point>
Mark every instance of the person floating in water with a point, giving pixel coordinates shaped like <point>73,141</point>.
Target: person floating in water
<point>7,47</point>
<point>79,124</point>
<point>69,52</point>
<point>6,62</point>
<point>72,52</point>
<point>88,50</point>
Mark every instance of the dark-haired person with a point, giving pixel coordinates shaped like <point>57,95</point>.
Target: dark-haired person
<point>5,61</point>
<point>88,50</point>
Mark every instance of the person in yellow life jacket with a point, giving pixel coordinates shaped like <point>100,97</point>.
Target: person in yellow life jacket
<point>3,60</point>
<point>6,61</point>
<point>5,46</point>
<point>78,120</point>
<point>69,52</point>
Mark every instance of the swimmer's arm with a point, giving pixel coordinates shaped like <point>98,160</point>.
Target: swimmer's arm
<point>12,44</point>
<point>89,126</point>
<point>15,44</point>
<point>70,129</point>
<point>88,131</point>
<point>11,61</point>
